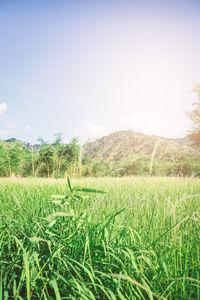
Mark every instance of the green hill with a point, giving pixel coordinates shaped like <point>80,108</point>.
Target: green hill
<point>133,151</point>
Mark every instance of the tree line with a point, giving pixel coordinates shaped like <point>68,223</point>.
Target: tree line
<point>48,160</point>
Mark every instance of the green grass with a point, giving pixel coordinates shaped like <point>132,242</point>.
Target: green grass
<point>140,240</point>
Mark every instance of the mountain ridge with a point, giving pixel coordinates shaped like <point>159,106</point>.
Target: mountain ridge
<point>127,143</point>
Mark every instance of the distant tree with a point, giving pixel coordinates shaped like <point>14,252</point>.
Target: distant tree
<point>73,152</point>
<point>11,158</point>
<point>11,140</point>
<point>46,159</point>
<point>194,116</point>
<point>58,138</point>
<point>42,141</point>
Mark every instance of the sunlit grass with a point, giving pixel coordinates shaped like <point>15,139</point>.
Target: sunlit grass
<point>140,240</point>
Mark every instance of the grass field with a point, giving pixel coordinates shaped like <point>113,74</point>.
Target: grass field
<point>140,240</point>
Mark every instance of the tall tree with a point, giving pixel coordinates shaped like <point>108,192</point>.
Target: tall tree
<point>58,138</point>
<point>46,158</point>
<point>11,158</point>
<point>194,116</point>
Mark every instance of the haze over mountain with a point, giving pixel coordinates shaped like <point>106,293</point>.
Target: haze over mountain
<point>128,145</point>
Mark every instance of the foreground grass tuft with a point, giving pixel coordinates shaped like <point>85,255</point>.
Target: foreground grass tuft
<point>139,240</point>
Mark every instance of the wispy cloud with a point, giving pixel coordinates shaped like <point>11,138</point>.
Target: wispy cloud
<point>30,91</point>
<point>5,132</point>
<point>3,108</point>
<point>152,123</point>
<point>169,125</point>
<point>10,124</point>
<point>91,130</point>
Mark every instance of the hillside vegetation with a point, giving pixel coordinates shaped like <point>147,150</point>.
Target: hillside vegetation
<point>131,153</point>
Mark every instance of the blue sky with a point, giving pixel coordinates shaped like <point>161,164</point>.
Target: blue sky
<point>87,68</point>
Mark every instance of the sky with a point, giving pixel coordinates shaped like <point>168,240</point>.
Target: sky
<point>89,68</point>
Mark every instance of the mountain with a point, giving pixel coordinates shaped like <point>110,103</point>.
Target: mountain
<point>126,146</point>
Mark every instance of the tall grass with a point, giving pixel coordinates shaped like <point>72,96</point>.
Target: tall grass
<point>140,240</point>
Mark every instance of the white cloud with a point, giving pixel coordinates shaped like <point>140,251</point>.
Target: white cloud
<point>3,108</point>
<point>27,128</point>
<point>91,130</point>
<point>5,132</point>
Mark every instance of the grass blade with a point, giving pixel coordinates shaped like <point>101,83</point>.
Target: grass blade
<point>69,184</point>
<point>54,284</point>
<point>87,190</point>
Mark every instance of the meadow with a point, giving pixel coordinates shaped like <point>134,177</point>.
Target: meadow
<point>139,240</point>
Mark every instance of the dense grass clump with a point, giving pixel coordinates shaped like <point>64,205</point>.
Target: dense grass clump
<point>140,240</point>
